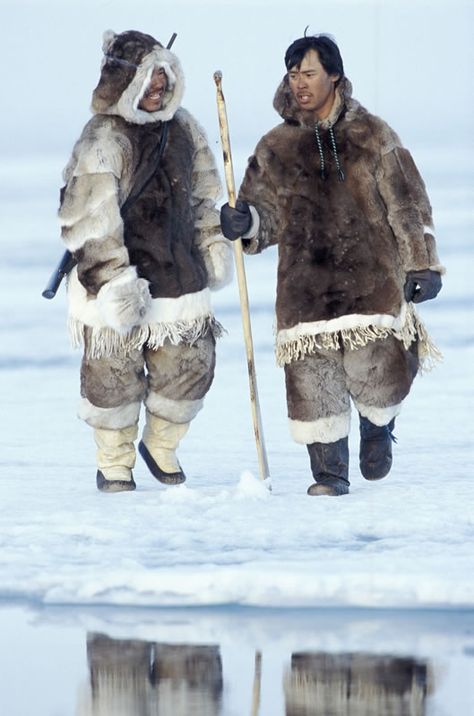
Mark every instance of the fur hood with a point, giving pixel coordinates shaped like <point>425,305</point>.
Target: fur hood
<point>127,66</point>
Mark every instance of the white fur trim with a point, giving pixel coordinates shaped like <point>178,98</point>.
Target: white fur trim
<point>117,418</point>
<point>439,268</point>
<point>352,321</point>
<point>127,105</point>
<point>354,330</point>
<point>378,416</point>
<point>323,430</point>
<point>255,225</point>
<point>182,319</point>
<point>176,411</point>
<point>184,309</point>
<point>178,320</point>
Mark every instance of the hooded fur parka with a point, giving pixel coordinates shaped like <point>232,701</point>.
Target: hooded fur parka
<point>350,214</point>
<point>143,274</point>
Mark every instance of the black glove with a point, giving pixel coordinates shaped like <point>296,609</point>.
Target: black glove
<point>422,285</point>
<point>235,222</point>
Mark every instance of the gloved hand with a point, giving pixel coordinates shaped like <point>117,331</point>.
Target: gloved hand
<point>235,222</point>
<point>422,285</point>
<point>124,301</point>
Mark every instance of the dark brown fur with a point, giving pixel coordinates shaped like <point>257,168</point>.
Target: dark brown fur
<point>344,246</point>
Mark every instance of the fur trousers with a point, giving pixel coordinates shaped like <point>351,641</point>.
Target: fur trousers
<point>320,387</point>
<point>171,380</point>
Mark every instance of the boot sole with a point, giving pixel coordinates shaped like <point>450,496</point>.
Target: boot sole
<point>326,491</point>
<point>372,474</point>
<point>105,485</point>
<point>167,478</point>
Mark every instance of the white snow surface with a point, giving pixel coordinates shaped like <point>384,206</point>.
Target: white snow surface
<point>223,537</point>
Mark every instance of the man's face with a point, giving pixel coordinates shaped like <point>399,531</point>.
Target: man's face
<point>151,100</point>
<point>312,87</point>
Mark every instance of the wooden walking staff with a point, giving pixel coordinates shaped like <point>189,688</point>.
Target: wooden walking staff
<point>240,269</point>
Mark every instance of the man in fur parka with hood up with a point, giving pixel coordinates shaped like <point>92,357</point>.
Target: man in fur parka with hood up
<point>342,198</point>
<point>138,213</point>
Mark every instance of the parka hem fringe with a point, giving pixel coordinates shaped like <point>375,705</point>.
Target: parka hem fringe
<point>104,342</point>
<point>359,336</point>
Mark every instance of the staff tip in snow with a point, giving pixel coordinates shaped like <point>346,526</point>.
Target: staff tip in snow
<point>242,283</point>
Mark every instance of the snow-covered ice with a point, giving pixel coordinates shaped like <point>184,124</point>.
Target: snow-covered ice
<point>223,537</point>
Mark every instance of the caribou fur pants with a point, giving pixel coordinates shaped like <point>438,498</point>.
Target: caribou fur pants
<point>319,388</point>
<point>172,381</point>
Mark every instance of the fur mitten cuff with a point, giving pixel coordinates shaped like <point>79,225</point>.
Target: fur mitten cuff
<point>219,264</point>
<point>124,301</point>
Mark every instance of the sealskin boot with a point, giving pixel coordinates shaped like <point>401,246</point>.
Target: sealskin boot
<point>375,453</point>
<point>115,459</point>
<point>157,447</point>
<point>330,468</point>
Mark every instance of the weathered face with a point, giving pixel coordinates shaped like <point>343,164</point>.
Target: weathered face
<point>151,100</point>
<point>312,87</point>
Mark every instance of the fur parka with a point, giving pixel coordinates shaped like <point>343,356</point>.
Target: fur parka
<point>143,273</point>
<point>348,209</point>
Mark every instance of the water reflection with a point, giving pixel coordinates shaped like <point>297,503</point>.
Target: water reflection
<point>320,684</point>
<point>132,677</point>
<point>139,678</point>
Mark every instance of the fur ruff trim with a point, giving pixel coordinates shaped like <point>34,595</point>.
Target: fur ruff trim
<point>176,411</point>
<point>353,332</point>
<point>127,105</point>
<point>123,416</point>
<point>378,416</point>
<point>322,430</point>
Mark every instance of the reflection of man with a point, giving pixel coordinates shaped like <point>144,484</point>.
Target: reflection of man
<point>139,678</point>
<point>320,684</point>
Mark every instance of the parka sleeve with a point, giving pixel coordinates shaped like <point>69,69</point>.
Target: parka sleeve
<point>259,190</point>
<point>215,249</point>
<point>89,213</point>
<point>408,209</point>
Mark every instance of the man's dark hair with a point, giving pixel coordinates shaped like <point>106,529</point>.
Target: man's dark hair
<point>328,52</point>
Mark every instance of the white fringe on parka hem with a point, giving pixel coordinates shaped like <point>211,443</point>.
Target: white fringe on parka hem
<point>355,331</point>
<point>177,320</point>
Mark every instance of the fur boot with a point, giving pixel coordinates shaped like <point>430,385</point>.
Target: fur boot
<point>330,468</point>
<point>158,448</point>
<point>115,458</point>
<point>375,453</point>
